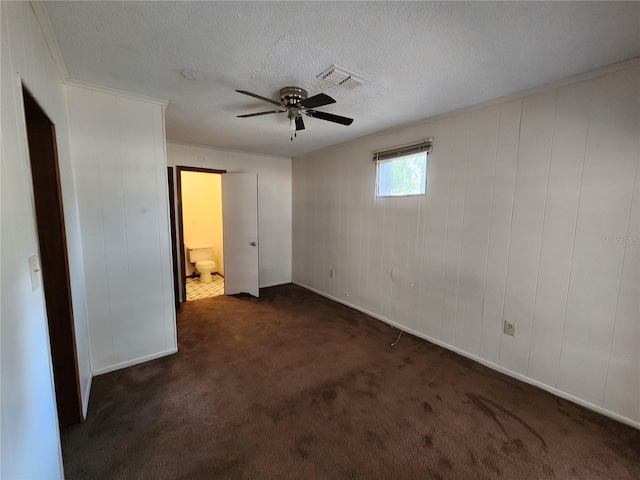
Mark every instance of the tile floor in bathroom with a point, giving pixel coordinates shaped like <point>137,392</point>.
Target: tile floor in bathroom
<point>196,289</point>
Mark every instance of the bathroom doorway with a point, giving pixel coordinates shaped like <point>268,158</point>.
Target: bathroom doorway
<point>200,224</point>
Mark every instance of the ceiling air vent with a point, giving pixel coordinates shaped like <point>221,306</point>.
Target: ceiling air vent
<point>340,76</point>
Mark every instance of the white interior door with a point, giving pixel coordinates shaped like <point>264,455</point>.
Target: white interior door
<point>240,233</point>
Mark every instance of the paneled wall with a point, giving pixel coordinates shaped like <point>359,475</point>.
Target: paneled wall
<point>29,423</point>
<point>531,215</point>
<point>274,200</point>
<point>118,152</point>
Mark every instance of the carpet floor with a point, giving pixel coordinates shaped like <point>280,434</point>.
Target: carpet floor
<point>295,386</point>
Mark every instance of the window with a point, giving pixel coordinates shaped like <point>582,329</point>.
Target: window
<point>402,176</point>
<point>402,171</point>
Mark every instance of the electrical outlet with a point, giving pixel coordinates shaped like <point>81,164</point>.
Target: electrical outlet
<point>331,273</point>
<point>509,327</point>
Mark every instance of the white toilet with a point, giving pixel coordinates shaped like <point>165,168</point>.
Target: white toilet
<point>201,255</point>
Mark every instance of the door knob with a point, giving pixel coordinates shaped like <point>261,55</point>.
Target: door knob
<point>253,244</point>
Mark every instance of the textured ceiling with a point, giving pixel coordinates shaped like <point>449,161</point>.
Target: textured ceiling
<point>421,58</point>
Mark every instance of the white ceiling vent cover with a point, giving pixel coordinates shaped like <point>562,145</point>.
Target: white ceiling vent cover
<point>340,76</point>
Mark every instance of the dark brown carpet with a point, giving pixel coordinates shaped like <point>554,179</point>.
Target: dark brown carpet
<point>294,386</point>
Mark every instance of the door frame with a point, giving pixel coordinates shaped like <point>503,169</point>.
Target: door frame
<point>174,246</point>
<point>53,258</point>
<point>180,226</point>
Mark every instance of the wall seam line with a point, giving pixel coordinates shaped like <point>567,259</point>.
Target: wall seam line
<point>513,201</point>
<point>126,236</point>
<point>161,169</point>
<point>544,217</point>
<point>573,245</point>
<point>446,230</point>
<point>615,315</point>
<point>464,202</point>
<point>423,245</point>
<point>489,233</point>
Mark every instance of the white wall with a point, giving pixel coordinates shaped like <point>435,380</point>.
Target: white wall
<point>118,152</point>
<point>274,200</point>
<point>522,196</point>
<point>30,441</point>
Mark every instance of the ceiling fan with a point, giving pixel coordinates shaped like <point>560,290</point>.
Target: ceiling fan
<point>295,103</point>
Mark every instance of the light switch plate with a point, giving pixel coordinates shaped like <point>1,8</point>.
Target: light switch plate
<point>34,269</point>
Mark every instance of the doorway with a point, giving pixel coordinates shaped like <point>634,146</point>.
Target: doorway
<point>54,264</point>
<point>201,231</point>
<point>240,229</point>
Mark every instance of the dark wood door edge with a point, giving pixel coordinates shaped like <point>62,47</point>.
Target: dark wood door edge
<point>174,253</point>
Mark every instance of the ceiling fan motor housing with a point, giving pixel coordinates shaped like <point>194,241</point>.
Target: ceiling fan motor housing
<point>292,96</point>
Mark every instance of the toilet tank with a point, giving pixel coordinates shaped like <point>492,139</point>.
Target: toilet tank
<point>195,253</point>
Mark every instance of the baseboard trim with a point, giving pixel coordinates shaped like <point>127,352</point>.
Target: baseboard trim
<point>486,363</point>
<point>267,285</point>
<point>135,361</point>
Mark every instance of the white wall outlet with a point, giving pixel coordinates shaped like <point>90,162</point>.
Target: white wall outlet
<point>34,270</point>
<point>509,327</point>
<point>331,273</point>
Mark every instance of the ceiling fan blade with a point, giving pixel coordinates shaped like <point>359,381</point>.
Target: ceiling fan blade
<point>260,113</point>
<point>317,101</point>
<point>329,117</point>
<point>299,123</point>
<point>259,97</point>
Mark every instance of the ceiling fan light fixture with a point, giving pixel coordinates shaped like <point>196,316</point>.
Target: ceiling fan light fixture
<point>342,77</point>
<point>292,127</point>
<point>292,114</point>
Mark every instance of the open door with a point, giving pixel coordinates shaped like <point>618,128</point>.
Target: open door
<point>240,233</point>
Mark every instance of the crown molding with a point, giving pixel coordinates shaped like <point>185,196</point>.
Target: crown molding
<point>115,91</point>
<point>202,146</point>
